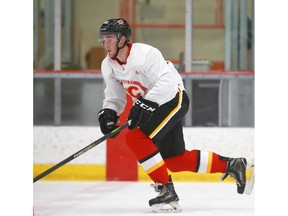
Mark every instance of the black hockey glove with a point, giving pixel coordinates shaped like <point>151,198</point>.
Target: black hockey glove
<point>141,112</point>
<point>108,119</point>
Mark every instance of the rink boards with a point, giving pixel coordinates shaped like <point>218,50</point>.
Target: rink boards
<point>53,144</point>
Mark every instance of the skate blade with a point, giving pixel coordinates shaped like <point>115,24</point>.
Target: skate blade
<point>172,207</point>
<point>250,182</point>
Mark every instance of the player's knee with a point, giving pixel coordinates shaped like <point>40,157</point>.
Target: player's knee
<point>135,136</point>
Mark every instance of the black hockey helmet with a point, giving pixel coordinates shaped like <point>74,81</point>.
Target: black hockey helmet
<point>118,26</point>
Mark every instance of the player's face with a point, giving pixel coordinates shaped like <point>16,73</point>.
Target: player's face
<point>110,44</point>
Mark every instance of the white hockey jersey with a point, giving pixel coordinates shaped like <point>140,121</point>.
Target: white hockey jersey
<point>146,73</point>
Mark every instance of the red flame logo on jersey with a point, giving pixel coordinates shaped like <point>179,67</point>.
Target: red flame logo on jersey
<point>133,88</point>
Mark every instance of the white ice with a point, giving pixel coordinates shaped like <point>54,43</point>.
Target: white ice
<point>131,198</point>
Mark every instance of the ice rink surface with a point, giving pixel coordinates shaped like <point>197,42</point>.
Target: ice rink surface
<point>131,198</point>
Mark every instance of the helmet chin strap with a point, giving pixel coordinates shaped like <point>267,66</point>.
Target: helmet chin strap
<point>118,49</point>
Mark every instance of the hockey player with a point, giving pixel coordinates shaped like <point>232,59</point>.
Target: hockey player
<point>160,103</point>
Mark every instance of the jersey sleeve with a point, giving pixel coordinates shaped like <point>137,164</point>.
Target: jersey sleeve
<point>115,96</point>
<point>163,77</point>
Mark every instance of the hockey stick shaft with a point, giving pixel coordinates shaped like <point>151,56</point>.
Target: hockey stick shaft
<point>80,152</point>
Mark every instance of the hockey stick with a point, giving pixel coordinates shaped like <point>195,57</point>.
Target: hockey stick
<point>82,151</point>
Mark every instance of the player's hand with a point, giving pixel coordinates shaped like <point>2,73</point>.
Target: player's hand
<point>141,112</point>
<point>108,119</point>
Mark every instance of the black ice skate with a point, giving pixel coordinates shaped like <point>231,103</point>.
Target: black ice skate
<point>236,168</point>
<point>167,200</point>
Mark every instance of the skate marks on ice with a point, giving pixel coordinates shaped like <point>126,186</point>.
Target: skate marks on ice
<point>131,198</point>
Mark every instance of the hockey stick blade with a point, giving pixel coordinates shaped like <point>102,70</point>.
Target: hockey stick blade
<point>82,151</point>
